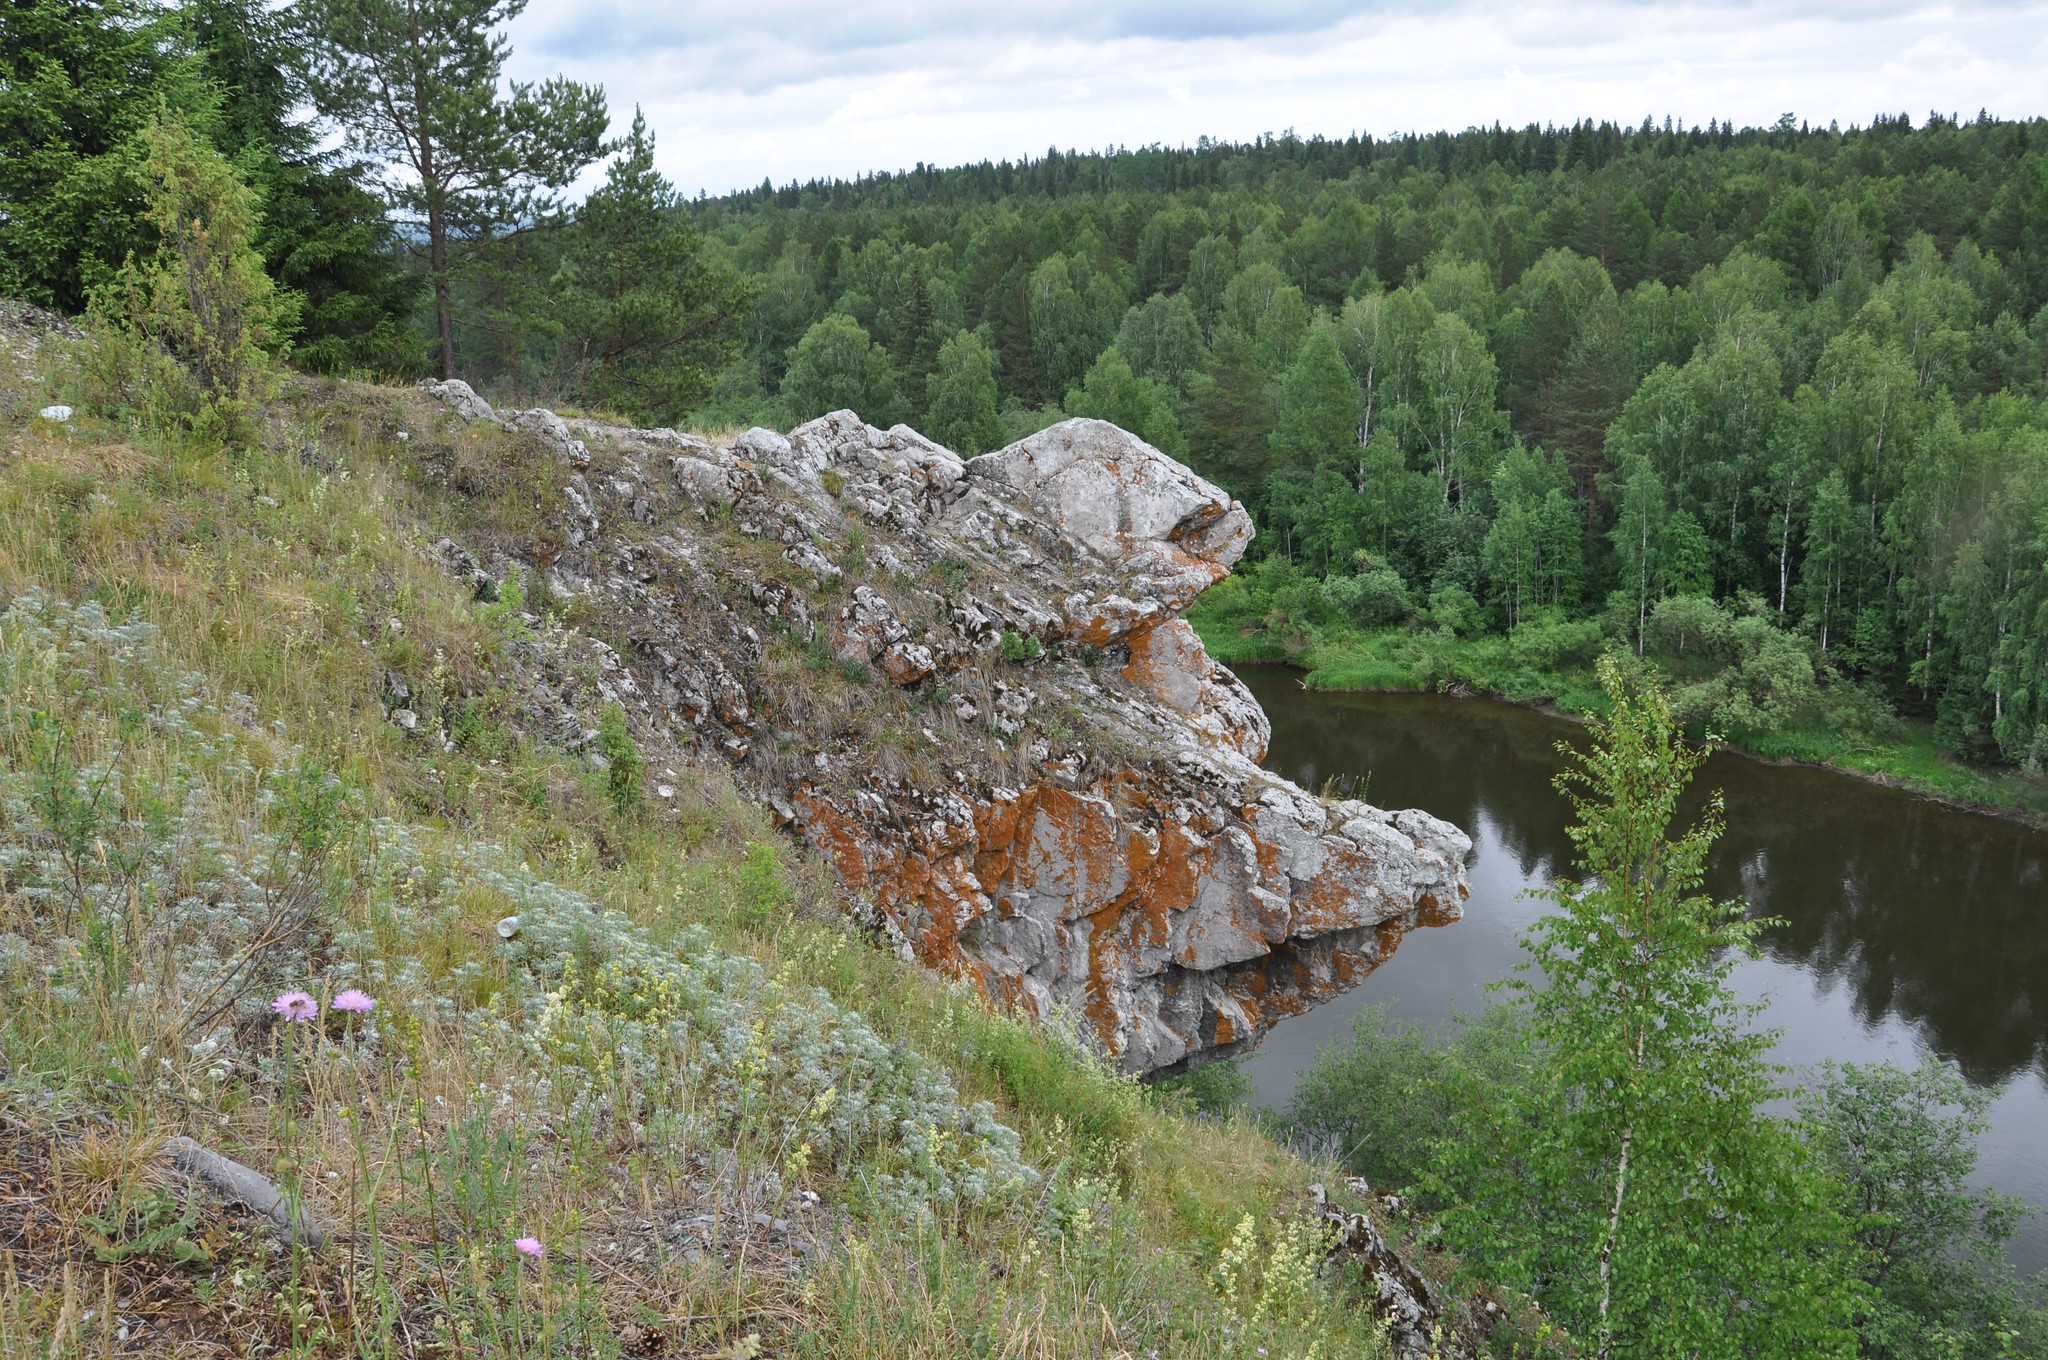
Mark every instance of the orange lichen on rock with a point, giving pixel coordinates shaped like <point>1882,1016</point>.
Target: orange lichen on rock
<point>1042,781</point>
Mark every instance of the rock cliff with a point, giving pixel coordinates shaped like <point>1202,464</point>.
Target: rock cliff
<point>969,684</point>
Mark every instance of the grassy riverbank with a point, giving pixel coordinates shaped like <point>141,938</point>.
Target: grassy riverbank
<point>1551,667</point>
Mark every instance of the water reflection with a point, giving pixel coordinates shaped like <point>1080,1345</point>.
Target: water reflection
<point>1908,926</point>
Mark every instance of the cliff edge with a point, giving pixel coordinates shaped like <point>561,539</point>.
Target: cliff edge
<point>969,684</point>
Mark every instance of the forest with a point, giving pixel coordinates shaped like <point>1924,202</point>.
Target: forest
<point>1763,405</point>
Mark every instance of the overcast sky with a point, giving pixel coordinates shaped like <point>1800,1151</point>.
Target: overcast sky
<point>786,89</point>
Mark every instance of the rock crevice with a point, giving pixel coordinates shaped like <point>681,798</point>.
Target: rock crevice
<point>968,683</point>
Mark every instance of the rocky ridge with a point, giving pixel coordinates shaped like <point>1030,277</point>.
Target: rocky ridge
<point>968,683</point>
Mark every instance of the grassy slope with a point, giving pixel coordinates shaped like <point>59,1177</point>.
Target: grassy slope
<point>1404,659</point>
<point>254,775</point>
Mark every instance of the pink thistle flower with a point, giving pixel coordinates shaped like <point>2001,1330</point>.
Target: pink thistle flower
<point>295,1006</point>
<point>530,1246</point>
<point>353,1000</point>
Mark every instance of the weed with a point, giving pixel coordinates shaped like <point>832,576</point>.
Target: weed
<point>764,893</point>
<point>1021,647</point>
<point>622,759</point>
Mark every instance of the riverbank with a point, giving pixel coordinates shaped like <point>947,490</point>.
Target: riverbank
<point>1907,928</point>
<point>1560,681</point>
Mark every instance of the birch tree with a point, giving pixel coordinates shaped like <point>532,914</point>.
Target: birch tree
<point>1638,1187</point>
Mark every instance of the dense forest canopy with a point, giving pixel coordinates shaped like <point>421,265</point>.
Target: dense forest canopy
<point>1773,392</point>
<point>1763,403</point>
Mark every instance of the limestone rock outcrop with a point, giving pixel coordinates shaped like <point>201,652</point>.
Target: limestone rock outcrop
<point>968,683</point>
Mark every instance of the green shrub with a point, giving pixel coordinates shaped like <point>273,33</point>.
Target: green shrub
<point>1551,643</point>
<point>1213,1088</point>
<point>764,891</point>
<point>193,334</point>
<point>1373,598</point>
<point>1021,647</point>
<point>1384,1096</point>
<point>622,759</point>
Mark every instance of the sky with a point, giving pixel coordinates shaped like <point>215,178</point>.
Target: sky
<point>786,90</point>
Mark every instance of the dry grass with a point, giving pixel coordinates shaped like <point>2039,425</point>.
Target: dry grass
<point>432,1135</point>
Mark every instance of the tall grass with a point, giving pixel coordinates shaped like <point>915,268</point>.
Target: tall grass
<point>623,1027</point>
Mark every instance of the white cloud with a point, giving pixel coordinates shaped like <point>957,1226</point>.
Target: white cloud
<point>786,90</point>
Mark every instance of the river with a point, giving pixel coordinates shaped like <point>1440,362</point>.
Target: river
<point>1910,927</point>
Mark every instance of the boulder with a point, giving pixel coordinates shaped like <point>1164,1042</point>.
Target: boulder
<point>1048,787</point>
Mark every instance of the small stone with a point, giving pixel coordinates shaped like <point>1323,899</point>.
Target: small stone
<point>406,719</point>
<point>58,413</point>
<point>395,624</point>
<point>664,790</point>
<point>269,502</point>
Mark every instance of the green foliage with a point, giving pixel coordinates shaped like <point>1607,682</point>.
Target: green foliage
<point>1386,1096</point>
<point>960,397</point>
<point>1214,1088</point>
<point>622,759</point>
<point>1374,597</point>
<point>836,366</point>
<point>1903,1146</point>
<point>505,611</point>
<point>325,236</point>
<point>159,1224</point>
<point>764,891</point>
<point>195,331</point>
<point>646,317</point>
<point>419,84</point>
<point>1453,609</point>
<point>1636,1186</point>
<point>1114,393</point>
<point>1021,647</point>
<point>77,87</point>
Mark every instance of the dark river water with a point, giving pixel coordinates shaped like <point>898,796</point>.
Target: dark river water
<point>1910,927</point>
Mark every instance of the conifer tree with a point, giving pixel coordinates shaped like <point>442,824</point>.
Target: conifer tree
<point>195,329</point>
<point>647,317</point>
<point>77,85</point>
<point>416,82</point>
<point>325,235</point>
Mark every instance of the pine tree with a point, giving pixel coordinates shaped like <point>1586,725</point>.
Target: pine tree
<point>325,235</point>
<point>914,341</point>
<point>416,81</point>
<point>647,317</point>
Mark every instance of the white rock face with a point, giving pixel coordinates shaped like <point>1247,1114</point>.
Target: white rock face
<point>1087,827</point>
